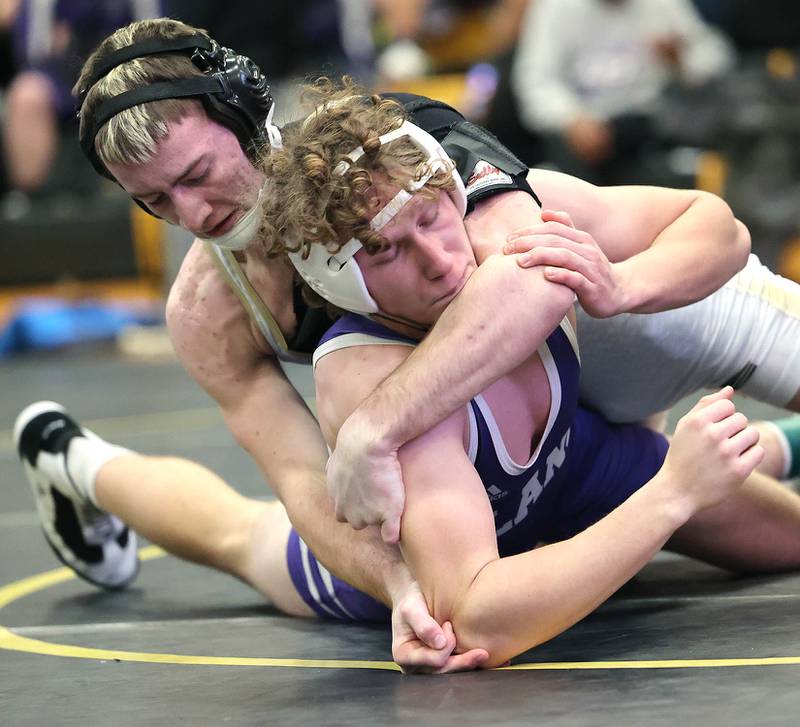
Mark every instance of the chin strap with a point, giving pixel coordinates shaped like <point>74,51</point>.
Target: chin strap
<point>273,132</point>
<point>244,231</point>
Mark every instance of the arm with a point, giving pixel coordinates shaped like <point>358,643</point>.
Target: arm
<point>669,247</point>
<point>473,343</point>
<point>212,336</point>
<point>508,605</point>
<point>496,321</point>
<point>634,249</point>
<point>703,52</point>
<point>511,604</point>
<point>214,340</point>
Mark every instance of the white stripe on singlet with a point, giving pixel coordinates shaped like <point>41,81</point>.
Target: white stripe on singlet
<point>348,340</point>
<point>327,579</point>
<point>312,587</point>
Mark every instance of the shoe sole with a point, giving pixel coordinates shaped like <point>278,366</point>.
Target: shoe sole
<point>29,413</point>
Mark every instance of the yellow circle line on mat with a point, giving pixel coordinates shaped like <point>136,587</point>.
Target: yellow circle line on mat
<point>27,586</point>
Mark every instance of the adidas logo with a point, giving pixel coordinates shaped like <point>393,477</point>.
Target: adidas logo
<point>495,493</point>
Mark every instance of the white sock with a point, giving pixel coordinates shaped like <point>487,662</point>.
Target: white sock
<point>85,456</point>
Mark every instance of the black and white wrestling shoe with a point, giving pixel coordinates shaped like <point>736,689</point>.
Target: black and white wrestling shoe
<point>98,546</point>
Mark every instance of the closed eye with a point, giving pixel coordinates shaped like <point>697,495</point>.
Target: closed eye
<point>153,201</point>
<point>199,179</point>
<point>386,255</point>
<point>429,218</point>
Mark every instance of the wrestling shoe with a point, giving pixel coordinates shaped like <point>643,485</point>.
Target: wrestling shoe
<point>98,546</point>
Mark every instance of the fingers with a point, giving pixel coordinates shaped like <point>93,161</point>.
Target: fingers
<point>415,657</point>
<point>751,458</point>
<point>715,407</point>
<point>521,240</point>
<point>429,631</point>
<point>744,439</point>
<point>733,425</point>
<point>469,660</point>
<point>557,216</point>
<point>726,392</point>
<point>356,522</point>
<point>560,256</point>
<point>571,279</point>
<point>390,530</point>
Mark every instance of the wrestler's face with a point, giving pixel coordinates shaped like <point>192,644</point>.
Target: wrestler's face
<point>427,262</point>
<point>199,177</point>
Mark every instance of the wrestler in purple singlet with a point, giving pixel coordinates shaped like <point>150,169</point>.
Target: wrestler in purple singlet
<point>581,470</point>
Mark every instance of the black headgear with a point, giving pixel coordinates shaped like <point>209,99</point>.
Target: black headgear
<point>234,91</point>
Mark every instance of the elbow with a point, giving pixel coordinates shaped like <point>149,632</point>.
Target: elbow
<point>478,623</point>
<point>476,630</point>
<point>734,234</point>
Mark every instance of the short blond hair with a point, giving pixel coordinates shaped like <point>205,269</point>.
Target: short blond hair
<point>131,136</point>
<point>310,201</point>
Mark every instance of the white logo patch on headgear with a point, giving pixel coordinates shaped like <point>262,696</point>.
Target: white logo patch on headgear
<point>486,175</point>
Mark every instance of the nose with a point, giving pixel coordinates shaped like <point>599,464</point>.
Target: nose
<point>434,260</point>
<point>191,209</point>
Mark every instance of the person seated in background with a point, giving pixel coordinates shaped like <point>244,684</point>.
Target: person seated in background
<point>49,41</point>
<point>588,75</point>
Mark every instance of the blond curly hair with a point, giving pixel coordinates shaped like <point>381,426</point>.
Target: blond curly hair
<point>310,201</point>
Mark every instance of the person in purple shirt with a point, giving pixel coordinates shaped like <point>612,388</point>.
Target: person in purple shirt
<point>50,41</point>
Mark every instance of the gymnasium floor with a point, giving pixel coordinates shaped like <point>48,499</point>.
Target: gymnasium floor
<point>682,644</point>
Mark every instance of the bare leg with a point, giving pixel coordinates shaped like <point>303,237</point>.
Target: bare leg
<point>191,513</point>
<point>774,462</point>
<point>30,132</point>
<point>755,530</point>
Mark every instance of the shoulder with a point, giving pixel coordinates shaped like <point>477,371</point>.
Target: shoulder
<point>435,117</point>
<point>197,279</point>
<point>346,377</point>
<point>208,326</point>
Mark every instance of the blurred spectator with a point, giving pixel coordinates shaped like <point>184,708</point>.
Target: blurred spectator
<point>588,75</point>
<point>444,35</point>
<point>289,38</point>
<point>50,38</point>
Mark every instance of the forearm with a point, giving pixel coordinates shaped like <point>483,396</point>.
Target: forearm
<point>516,603</point>
<point>358,557</point>
<point>694,256</point>
<point>291,455</point>
<point>666,247</point>
<point>496,322</point>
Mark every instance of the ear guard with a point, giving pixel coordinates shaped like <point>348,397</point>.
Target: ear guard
<point>336,276</point>
<point>233,91</point>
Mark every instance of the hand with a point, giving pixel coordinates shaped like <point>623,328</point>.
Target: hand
<point>668,48</point>
<point>365,481</point>
<point>589,139</point>
<point>573,258</point>
<point>421,646</point>
<point>713,451</point>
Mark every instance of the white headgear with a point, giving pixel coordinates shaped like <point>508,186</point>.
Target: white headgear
<point>337,277</point>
